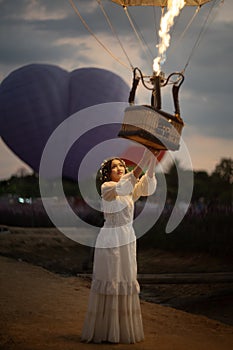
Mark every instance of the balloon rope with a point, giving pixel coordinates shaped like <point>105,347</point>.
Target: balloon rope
<point>114,32</point>
<point>155,24</point>
<point>201,33</point>
<point>185,30</point>
<point>138,36</point>
<point>93,34</point>
<point>189,23</point>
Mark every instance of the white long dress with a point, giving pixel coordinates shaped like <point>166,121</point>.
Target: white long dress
<point>114,313</point>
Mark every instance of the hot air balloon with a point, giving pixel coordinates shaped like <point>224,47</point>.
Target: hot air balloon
<point>150,125</point>
<point>36,98</point>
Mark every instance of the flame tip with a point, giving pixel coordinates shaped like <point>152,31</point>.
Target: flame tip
<point>167,20</point>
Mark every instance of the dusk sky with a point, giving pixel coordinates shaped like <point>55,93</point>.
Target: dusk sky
<point>43,31</point>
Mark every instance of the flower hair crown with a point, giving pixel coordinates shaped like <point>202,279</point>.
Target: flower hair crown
<point>105,168</point>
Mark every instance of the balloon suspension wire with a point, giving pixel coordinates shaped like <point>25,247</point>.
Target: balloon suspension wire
<point>155,26</point>
<point>94,36</point>
<point>114,32</point>
<point>140,38</point>
<point>201,33</point>
<point>174,47</point>
<point>189,24</point>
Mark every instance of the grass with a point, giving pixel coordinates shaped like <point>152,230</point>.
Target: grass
<point>211,233</point>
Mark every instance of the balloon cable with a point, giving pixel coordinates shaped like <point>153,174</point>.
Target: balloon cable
<point>174,47</point>
<point>114,32</point>
<point>155,24</point>
<point>140,40</point>
<point>95,37</point>
<point>201,33</point>
<point>189,23</point>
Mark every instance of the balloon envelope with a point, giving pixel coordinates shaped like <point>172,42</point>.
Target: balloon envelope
<point>160,3</point>
<point>36,98</point>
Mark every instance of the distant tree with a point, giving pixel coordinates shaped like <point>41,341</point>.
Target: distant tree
<point>201,185</point>
<point>21,172</point>
<point>25,186</point>
<point>222,181</point>
<point>70,187</point>
<point>174,183</point>
<point>224,170</point>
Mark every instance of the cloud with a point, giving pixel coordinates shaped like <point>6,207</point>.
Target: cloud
<point>33,9</point>
<point>206,151</point>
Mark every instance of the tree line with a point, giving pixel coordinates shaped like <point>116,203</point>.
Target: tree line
<point>206,227</point>
<point>214,188</point>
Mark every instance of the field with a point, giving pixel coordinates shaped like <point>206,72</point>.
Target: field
<point>50,249</point>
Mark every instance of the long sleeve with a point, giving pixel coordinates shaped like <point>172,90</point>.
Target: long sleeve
<point>146,186</point>
<point>124,187</point>
<point>129,184</point>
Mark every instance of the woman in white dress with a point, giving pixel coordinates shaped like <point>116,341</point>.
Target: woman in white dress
<point>114,313</point>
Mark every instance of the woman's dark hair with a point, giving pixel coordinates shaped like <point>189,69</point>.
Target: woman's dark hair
<point>104,172</point>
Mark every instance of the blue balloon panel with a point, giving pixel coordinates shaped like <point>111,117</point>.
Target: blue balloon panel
<point>36,98</point>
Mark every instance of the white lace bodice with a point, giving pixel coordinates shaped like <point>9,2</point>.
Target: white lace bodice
<point>118,206</point>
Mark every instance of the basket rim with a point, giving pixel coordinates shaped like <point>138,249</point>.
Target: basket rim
<point>167,115</point>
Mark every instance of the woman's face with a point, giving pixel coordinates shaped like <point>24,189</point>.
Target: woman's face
<point>117,170</point>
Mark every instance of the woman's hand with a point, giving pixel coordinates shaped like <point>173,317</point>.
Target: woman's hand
<point>149,160</point>
<point>155,152</point>
<point>152,156</point>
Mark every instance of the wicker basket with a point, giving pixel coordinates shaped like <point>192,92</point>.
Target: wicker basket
<point>154,129</point>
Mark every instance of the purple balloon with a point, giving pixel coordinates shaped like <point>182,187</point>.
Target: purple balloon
<point>36,98</point>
